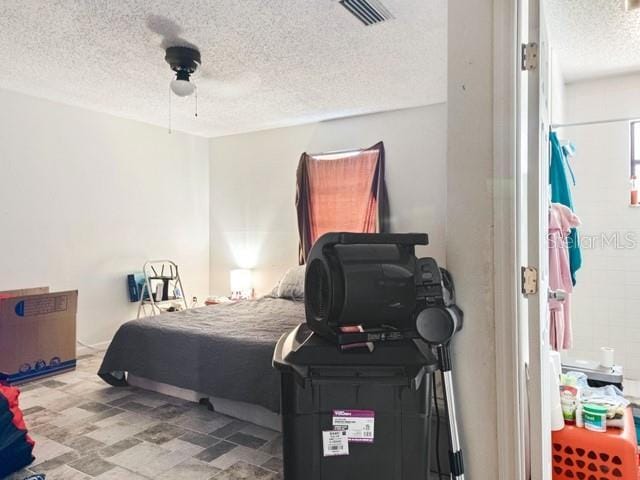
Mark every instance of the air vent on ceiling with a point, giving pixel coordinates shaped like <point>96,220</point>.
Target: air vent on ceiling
<point>367,11</point>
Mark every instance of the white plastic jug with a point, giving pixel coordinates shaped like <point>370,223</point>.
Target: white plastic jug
<point>557,420</point>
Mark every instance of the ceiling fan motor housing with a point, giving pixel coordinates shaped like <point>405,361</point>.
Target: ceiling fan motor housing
<point>183,60</point>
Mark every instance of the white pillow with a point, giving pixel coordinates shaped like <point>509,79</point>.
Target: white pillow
<point>292,284</point>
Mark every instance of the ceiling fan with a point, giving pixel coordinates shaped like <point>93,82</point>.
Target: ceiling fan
<point>184,58</point>
<point>184,61</point>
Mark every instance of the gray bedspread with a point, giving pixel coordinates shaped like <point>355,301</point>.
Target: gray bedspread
<point>222,350</point>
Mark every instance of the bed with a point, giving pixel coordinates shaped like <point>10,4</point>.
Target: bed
<point>222,351</point>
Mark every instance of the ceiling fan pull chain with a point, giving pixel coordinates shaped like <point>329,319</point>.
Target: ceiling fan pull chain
<point>170,109</point>
<point>196,92</point>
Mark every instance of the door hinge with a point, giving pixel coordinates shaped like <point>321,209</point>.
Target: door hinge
<point>529,56</point>
<point>529,280</point>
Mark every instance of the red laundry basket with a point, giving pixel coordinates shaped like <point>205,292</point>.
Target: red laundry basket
<point>580,454</point>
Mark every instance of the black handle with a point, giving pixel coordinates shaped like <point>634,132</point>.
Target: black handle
<point>346,238</point>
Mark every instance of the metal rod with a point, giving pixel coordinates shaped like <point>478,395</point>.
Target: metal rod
<point>336,152</point>
<point>451,407</point>
<point>455,455</point>
<point>456,451</point>
<point>595,122</point>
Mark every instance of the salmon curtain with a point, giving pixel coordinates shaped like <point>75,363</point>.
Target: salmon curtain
<point>341,193</point>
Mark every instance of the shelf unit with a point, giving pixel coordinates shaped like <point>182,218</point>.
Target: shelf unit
<point>166,274</point>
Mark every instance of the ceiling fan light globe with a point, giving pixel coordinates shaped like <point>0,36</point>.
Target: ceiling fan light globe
<point>182,88</point>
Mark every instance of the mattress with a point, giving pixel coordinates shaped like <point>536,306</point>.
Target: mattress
<point>221,350</point>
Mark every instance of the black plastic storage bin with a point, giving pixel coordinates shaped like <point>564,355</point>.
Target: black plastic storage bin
<point>393,381</point>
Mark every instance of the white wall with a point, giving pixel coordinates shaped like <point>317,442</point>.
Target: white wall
<point>558,89</point>
<point>86,198</point>
<point>606,300</point>
<point>253,178</point>
<point>470,227</point>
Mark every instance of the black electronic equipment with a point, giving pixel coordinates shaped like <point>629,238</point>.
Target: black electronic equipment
<point>376,283</point>
<point>366,288</point>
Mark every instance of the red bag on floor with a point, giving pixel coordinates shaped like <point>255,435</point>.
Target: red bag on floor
<point>12,394</point>
<point>16,446</point>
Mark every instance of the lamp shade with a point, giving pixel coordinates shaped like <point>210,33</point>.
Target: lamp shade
<point>240,280</point>
<point>182,88</point>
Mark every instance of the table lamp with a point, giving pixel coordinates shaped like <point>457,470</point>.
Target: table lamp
<point>241,284</point>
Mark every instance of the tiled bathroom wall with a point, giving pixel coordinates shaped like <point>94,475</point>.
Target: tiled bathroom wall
<point>606,299</point>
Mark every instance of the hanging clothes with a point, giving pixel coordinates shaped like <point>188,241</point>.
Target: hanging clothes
<point>561,222</point>
<point>559,174</point>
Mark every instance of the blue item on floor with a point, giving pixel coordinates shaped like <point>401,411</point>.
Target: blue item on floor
<point>40,476</point>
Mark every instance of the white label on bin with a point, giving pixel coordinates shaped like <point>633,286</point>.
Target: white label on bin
<point>359,424</point>
<point>335,442</point>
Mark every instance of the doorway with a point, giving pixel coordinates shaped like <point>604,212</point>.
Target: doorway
<point>579,89</point>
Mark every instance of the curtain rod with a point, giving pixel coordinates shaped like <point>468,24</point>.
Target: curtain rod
<point>336,152</point>
<point>595,122</point>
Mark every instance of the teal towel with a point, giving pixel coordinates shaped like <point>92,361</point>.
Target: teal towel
<point>559,174</point>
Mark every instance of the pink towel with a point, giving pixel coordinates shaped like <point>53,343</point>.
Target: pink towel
<point>561,221</point>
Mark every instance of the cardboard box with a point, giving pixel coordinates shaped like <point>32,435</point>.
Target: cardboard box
<point>23,292</point>
<point>37,333</point>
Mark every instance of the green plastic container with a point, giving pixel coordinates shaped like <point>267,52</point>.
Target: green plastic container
<point>594,417</point>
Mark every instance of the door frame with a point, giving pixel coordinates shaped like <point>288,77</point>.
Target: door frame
<point>516,453</point>
<point>510,424</point>
<point>536,216</point>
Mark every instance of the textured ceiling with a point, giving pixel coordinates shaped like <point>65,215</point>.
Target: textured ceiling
<point>266,63</point>
<point>594,38</point>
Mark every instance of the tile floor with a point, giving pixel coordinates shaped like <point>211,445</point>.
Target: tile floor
<point>85,429</point>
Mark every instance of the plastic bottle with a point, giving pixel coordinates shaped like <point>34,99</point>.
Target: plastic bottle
<point>634,190</point>
<point>557,418</point>
<point>569,399</point>
<point>579,419</point>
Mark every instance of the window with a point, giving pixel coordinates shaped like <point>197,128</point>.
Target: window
<point>341,192</point>
<point>635,147</point>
